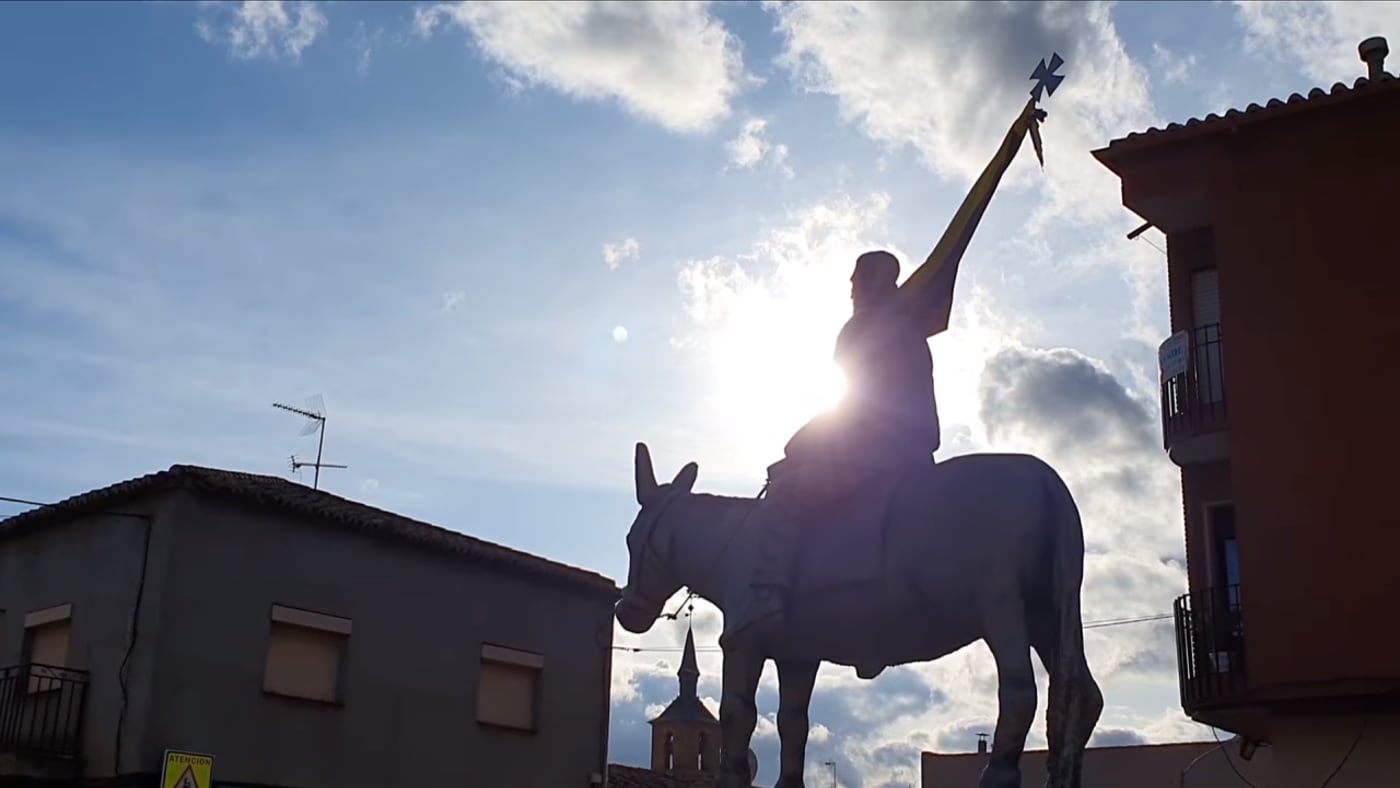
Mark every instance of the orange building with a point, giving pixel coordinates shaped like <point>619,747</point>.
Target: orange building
<point>1278,404</point>
<point>1187,765</point>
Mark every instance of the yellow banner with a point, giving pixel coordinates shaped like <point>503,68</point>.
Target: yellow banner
<point>930,287</point>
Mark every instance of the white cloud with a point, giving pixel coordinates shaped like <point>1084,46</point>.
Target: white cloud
<point>1318,39</point>
<point>1173,68</point>
<point>671,63</point>
<point>752,148</point>
<point>614,254</point>
<point>451,299</point>
<point>263,28</point>
<point>949,78</point>
<point>765,322</point>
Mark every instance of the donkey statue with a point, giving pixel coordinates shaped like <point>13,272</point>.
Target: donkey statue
<point>987,546</point>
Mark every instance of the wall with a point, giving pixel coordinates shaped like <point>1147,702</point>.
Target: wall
<point>1307,253</point>
<point>419,619</point>
<point>1309,748</point>
<point>1143,766</point>
<point>93,564</point>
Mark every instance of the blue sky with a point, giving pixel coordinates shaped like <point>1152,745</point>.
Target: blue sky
<point>506,242</point>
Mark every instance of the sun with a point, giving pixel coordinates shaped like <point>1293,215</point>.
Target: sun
<point>772,359</point>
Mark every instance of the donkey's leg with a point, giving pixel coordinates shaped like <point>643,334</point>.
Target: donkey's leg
<point>738,714</point>
<point>1006,636</point>
<point>796,678</point>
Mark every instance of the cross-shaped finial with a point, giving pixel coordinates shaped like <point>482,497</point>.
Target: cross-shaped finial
<point>1045,77</point>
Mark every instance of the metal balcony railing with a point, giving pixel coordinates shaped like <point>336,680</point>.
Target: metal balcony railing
<point>1210,647</point>
<point>41,710</point>
<point>1193,402</point>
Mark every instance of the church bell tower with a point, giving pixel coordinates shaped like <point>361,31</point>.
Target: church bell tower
<point>685,737</point>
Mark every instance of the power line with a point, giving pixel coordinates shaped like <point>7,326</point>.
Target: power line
<point>1100,624</point>
<point>21,500</point>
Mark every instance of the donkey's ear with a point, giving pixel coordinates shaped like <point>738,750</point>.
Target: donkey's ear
<point>646,477</point>
<point>686,478</point>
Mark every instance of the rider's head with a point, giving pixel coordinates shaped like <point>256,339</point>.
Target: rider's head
<point>874,278</point>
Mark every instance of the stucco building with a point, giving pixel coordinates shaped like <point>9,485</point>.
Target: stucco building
<point>302,639</point>
<point>1278,406</point>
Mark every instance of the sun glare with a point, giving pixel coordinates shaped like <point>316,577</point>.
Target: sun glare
<point>774,368</point>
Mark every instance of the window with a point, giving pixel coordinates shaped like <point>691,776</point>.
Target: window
<point>507,692</point>
<point>46,646</point>
<point>306,654</point>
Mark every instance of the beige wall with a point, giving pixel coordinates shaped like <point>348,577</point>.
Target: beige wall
<point>1308,749</point>
<point>1146,766</point>
<point>93,565</point>
<point>417,623</point>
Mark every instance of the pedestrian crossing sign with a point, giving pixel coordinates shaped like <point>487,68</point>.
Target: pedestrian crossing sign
<point>187,770</point>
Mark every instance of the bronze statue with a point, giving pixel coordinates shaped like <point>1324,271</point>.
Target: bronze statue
<point>899,559</point>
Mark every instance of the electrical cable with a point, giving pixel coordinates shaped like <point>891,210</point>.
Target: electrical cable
<point>1350,750</point>
<point>1229,761</point>
<point>1110,622</point>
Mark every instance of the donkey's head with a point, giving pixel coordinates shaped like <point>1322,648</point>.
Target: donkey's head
<point>651,576</point>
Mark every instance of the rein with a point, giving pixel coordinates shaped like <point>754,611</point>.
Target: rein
<point>651,548</point>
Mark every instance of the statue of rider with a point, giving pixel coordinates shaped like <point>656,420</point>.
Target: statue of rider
<point>886,423</point>
<point>888,420</point>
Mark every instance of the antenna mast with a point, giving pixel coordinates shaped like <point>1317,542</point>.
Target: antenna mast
<point>318,424</point>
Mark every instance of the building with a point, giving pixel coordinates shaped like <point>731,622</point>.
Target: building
<point>1186,765</point>
<point>301,639</point>
<point>685,739</point>
<point>1278,407</point>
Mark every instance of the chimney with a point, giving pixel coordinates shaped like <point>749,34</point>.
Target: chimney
<point>1373,51</point>
<point>981,744</point>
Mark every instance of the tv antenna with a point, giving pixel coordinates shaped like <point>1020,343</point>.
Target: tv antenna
<point>315,413</point>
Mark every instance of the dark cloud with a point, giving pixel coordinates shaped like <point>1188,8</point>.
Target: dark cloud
<point>1116,737</point>
<point>1063,396</point>
<point>898,692</point>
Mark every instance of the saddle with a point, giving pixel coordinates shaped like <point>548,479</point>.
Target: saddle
<point>841,514</point>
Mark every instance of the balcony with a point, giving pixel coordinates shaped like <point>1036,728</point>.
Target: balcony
<point>1195,421</point>
<point>1210,649</point>
<point>41,715</point>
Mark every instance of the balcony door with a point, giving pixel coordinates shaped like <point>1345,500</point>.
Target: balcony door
<point>1227,627</point>
<point>1205,336</point>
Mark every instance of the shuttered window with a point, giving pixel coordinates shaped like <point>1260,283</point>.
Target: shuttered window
<point>507,692</point>
<point>1206,345</point>
<point>306,654</point>
<point>46,634</point>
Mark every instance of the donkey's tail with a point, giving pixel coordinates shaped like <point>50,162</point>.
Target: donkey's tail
<point>1075,701</point>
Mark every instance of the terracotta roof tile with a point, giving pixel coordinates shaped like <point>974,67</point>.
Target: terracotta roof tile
<point>1316,97</point>
<point>302,500</point>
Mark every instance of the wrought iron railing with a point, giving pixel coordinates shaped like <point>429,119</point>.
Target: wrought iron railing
<point>41,710</point>
<point>1210,647</point>
<point>1193,402</point>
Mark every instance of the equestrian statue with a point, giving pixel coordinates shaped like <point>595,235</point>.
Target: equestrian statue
<point>865,552</point>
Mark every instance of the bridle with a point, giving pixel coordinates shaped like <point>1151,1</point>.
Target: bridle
<point>650,551</point>
<point>652,556</point>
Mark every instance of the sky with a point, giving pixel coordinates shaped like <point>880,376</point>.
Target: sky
<point>503,242</point>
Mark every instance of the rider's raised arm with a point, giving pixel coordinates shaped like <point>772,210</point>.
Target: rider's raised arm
<point>928,292</point>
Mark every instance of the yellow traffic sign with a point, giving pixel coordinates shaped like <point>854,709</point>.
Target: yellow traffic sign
<point>187,770</point>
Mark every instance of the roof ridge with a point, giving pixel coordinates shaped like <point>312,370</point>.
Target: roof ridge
<point>283,493</point>
<point>1256,111</point>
